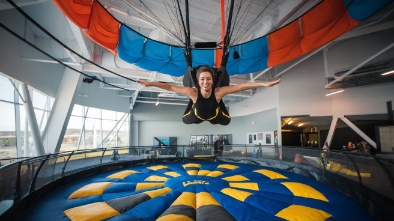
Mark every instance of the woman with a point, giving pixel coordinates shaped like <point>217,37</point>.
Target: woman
<point>206,101</point>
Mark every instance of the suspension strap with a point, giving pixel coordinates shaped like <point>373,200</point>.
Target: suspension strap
<point>186,31</point>
<point>226,44</point>
<point>188,51</point>
<point>219,51</point>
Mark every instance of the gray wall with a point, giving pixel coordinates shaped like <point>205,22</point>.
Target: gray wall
<point>302,89</point>
<point>239,127</point>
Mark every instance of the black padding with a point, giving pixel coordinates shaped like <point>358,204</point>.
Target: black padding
<point>222,77</point>
<point>205,45</point>
<point>189,78</point>
<point>128,202</point>
<point>181,210</point>
<point>213,212</point>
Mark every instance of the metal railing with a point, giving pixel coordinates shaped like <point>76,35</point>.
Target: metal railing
<point>21,177</point>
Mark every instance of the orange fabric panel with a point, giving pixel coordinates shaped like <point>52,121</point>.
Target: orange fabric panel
<point>103,28</point>
<point>78,11</point>
<point>324,23</point>
<point>284,44</point>
<point>321,25</point>
<point>218,57</point>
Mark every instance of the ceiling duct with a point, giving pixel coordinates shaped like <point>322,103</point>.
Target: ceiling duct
<point>366,75</point>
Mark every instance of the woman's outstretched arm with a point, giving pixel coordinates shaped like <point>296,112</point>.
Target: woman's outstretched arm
<point>223,91</point>
<point>169,87</point>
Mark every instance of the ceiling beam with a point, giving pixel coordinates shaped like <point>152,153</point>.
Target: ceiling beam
<point>366,30</point>
<point>261,73</point>
<point>21,3</point>
<point>86,45</point>
<point>359,132</point>
<point>139,74</point>
<point>331,132</point>
<point>361,64</point>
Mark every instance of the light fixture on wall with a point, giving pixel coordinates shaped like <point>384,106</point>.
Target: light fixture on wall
<point>157,102</point>
<point>336,92</point>
<point>290,122</point>
<point>299,125</point>
<point>389,72</point>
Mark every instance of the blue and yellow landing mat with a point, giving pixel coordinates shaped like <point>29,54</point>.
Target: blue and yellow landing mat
<point>196,191</point>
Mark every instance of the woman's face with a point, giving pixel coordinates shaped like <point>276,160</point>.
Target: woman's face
<point>205,81</point>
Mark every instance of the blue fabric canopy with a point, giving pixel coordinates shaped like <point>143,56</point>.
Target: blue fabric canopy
<point>253,55</point>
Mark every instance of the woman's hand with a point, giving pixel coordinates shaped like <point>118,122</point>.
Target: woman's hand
<point>143,83</point>
<point>272,83</point>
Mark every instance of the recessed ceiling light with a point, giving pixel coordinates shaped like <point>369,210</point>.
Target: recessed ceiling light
<point>336,92</point>
<point>387,73</point>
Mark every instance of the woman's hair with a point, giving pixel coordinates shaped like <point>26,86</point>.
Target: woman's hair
<point>205,68</point>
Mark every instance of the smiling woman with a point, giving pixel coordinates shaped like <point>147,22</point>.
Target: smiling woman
<point>205,102</point>
<point>207,105</point>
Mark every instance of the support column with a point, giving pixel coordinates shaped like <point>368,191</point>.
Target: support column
<point>390,112</point>
<point>61,110</point>
<point>133,131</point>
<point>279,126</point>
<point>31,116</point>
<point>332,130</point>
<point>18,130</point>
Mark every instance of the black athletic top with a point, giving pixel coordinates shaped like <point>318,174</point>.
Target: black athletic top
<point>206,109</point>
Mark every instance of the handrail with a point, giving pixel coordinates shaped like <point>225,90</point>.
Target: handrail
<point>65,163</point>
<point>33,182</point>
<point>17,194</point>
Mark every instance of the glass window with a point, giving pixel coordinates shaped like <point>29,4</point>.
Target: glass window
<point>123,134</point>
<point>39,99</point>
<point>109,115</point>
<point>51,101</point>
<point>70,139</point>
<point>119,115</point>
<point>7,131</point>
<point>94,113</point>
<point>101,129</point>
<point>92,134</point>
<point>109,125</point>
<point>7,90</point>
<point>78,110</point>
<point>7,117</point>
